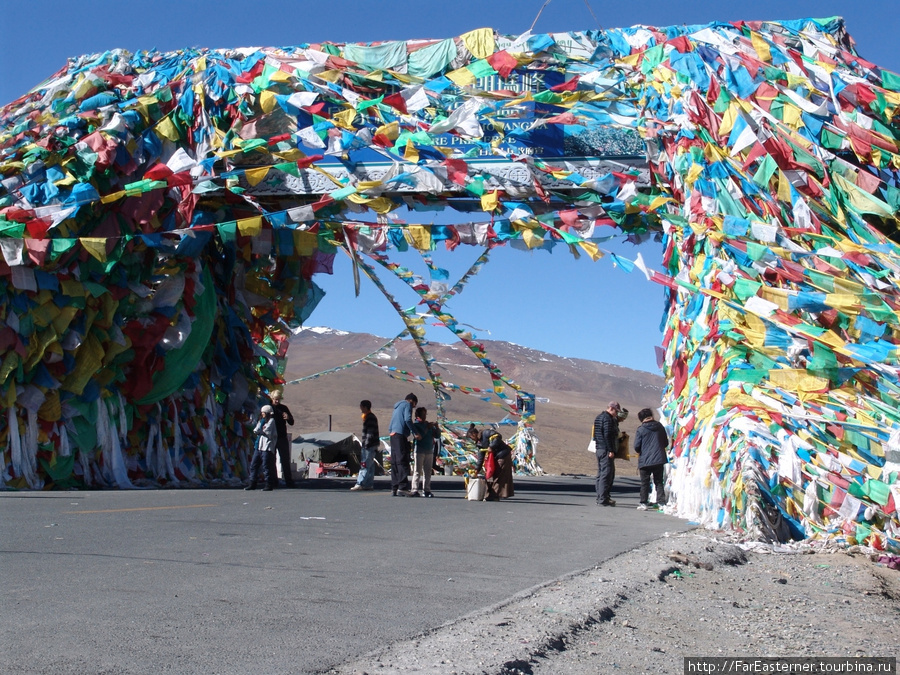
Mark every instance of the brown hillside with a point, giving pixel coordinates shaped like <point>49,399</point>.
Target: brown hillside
<point>571,392</point>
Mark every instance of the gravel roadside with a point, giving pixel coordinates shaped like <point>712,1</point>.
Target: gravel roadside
<point>692,594</point>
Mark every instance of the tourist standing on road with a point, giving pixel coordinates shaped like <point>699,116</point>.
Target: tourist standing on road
<point>606,437</point>
<point>370,444</point>
<point>283,417</point>
<point>264,455</point>
<point>499,478</point>
<point>424,453</point>
<point>650,443</point>
<point>400,430</point>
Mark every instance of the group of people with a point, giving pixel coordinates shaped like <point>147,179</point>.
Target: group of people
<point>271,430</point>
<point>413,441</point>
<point>650,443</point>
<point>407,420</point>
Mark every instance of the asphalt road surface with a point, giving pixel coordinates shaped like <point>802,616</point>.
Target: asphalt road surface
<point>290,581</point>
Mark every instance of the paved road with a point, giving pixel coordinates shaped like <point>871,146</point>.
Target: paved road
<point>291,581</point>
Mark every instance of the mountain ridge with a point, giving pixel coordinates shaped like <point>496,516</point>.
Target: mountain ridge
<point>570,391</point>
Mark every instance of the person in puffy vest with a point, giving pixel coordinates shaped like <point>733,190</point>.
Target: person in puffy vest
<point>650,443</point>
<point>264,455</point>
<point>606,440</point>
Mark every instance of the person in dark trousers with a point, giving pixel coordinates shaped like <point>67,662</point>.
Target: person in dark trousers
<point>423,464</point>
<point>606,436</point>
<point>370,444</point>
<point>400,430</point>
<point>282,418</point>
<point>650,443</point>
<point>264,455</point>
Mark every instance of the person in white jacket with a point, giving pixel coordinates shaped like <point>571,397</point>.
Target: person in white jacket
<point>264,455</point>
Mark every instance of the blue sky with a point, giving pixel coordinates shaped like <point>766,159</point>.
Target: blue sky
<point>551,302</point>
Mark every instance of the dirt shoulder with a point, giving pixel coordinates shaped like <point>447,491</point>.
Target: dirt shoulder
<point>693,594</point>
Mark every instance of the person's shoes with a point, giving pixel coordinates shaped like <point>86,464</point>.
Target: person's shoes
<point>414,494</point>
<point>367,487</point>
<point>268,488</point>
<point>252,486</point>
<point>608,502</point>
<point>428,494</point>
<point>398,493</point>
<point>356,487</point>
<point>642,507</point>
<point>290,486</point>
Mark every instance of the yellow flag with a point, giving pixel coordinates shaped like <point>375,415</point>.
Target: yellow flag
<point>462,77</point>
<point>381,205</point>
<point>88,361</point>
<point>96,246</point>
<point>330,75</point>
<point>390,131</point>
<point>735,397</point>
<point>112,197</point>
<point>305,242</point>
<point>279,76</point>
<point>344,119</point>
<point>843,302</point>
<point>728,120</point>
<point>531,239</point>
<point>784,187</point>
<point>693,173</point>
<point>480,42</point>
<point>419,236</point>
<point>795,379</point>
<point>50,409</point>
<point>760,46</point>
<point>255,176</point>
<point>489,201</point>
<point>168,129</point>
<point>791,116</point>
<point>267,101</point>
<point>410,154</point>
<point>250,227</point>
<point>591,249</point>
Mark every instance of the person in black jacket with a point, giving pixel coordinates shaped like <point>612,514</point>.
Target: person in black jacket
<point>650,443</point>
<point>606,437</point>
<point>370,443</point>
<point>283,417</point>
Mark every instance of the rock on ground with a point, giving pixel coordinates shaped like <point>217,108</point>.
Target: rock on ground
<point>693,594</point>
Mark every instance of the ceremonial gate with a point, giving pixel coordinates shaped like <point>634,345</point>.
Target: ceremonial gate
<point>162,217</point>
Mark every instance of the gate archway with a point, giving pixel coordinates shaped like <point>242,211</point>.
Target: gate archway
<point>163,214</point>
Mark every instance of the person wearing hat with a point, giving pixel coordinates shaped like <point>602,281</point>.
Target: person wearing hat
<point>606,438</point>
<point>264,455</point>
<point>650,443</point>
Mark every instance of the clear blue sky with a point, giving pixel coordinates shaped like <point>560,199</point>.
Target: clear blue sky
<point>547,301</point>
